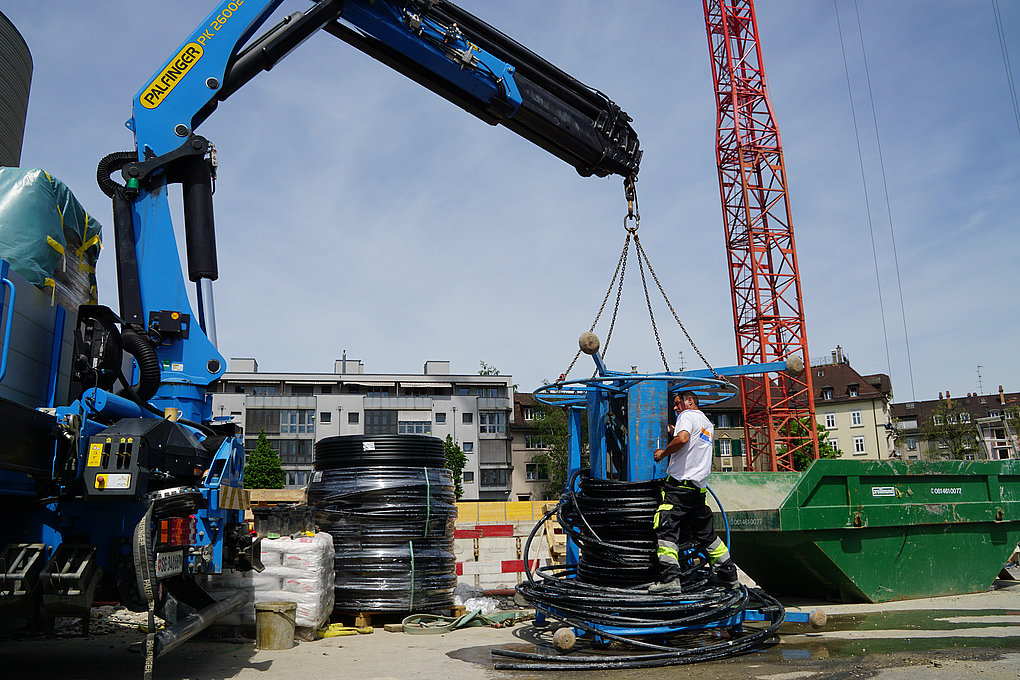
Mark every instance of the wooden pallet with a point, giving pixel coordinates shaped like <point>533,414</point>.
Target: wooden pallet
<point>555,537</point>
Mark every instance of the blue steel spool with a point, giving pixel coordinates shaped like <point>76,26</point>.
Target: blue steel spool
<point>648,409</point>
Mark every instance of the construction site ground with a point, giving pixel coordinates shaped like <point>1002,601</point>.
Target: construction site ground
<point>960,636</point>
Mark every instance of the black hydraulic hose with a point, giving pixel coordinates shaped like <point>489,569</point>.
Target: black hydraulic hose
<point>108,165</point>
<point>138,346</point>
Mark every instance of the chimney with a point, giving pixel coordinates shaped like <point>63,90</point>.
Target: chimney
<point>1002,396</point>
<point>940,396</point>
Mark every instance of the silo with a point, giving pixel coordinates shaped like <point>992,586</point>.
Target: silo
<point>15,80</point>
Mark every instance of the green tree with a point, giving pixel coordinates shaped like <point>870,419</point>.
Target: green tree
<point>455,461</point>
<point>487,369</point>
<point>950,432</point>
<point>262,467</point>
<point>551,428</point>
<point>802,458</point>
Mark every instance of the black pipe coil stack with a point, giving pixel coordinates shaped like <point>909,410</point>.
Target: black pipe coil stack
<point>388,502</point>
<point>611,522</point>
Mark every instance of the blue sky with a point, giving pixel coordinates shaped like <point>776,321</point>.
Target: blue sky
<point>356,210</point>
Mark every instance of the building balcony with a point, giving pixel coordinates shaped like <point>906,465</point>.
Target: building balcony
<point>289,402</point>
<point>398,403</point>
<point>494,404</point>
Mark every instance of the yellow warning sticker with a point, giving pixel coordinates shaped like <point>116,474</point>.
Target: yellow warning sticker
<point>95,455</point>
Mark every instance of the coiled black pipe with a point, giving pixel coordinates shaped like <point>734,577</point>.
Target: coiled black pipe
<point>604,589</point>
<point>389,504</point>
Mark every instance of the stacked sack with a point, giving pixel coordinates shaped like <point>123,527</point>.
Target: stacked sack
<point>298,570</point>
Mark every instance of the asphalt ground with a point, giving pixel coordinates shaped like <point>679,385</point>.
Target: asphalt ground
<point>944,638</point>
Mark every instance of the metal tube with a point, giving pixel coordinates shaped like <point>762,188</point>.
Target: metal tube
<point>169,638</point>
<point>207,309</point>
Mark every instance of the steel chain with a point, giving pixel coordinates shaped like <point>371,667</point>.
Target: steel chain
<point>620,263</point>
<point>648,299</point>
<point>644,255</point>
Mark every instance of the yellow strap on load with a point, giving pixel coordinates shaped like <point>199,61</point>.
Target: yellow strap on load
<point>53,295</point>
<point>88,244</point>
<point>57,246</point>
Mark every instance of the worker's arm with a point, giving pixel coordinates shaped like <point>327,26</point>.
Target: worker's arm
<point>674,445</point>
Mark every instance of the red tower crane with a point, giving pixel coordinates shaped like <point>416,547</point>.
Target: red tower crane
<point>779,412</point>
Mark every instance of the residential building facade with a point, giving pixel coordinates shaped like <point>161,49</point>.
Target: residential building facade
<point>529,479</point>
<point>993,417</point>
<point>854,409</point>
<point>297,409</point>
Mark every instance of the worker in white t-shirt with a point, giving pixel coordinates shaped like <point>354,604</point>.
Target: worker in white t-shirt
<point>683,514</point>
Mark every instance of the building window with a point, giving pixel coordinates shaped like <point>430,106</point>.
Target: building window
<point>529,412</point>
<point>855,418</point>
<point>469,477</point>
<point>440,419</point>
<point>534,472</point>
<point>414,427</point>
<point>911,443</point>
<point>294,451</point>
<point>495,478</point>
<point>377,391</point>
<point>830,420</point>
<point>533,441</point>
<point>951,419</point>
<point>464,391</point>
<point>490,392</point>
<point>353,417</point>
<point>859,447</point>
<point>468,418</point>
<point>325,417</point>
<point>301,390</point>
<point>380,422</point>
<point>468,447</point>
<point>491,422</point>
<point>834,443</point>
<point>937,420</point>
<point>965,417</point>
<point>826,393</point>
<point>262,419</point>
<point>725,447</point>
<point>852,390</point>
<point>263,391</point>
<point>297,422</point>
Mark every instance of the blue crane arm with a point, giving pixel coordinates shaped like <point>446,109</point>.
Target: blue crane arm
<point>435,43</point>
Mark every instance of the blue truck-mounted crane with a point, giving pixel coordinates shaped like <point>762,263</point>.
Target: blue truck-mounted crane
<point>128,483</point>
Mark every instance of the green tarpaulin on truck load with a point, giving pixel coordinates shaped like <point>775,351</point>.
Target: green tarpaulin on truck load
<point>46,235</point>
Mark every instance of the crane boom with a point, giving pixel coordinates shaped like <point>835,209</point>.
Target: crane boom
<point>768,312</point>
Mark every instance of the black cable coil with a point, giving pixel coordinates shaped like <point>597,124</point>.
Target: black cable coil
<point>611,522</point>
<point>390,507</point>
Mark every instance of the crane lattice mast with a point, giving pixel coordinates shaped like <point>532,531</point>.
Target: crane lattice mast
<point>764,277</point>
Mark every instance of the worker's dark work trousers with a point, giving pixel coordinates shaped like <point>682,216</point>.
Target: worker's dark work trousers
<point>682,516</point>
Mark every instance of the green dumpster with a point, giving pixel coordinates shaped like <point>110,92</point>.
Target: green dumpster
<point>873,531</point>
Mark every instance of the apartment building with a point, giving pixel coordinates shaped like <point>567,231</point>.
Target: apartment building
<point>297,409</point>
<point>993,418</point>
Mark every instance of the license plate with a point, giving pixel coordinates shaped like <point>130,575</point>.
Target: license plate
<point>169,563</point>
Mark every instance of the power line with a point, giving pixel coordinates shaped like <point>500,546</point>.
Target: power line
<point>1001,32</point>
<point>888,205</point>
<point>864,184</point>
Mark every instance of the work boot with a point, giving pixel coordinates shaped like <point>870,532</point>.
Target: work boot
<point>666,588</point>
<point>725,576</point>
